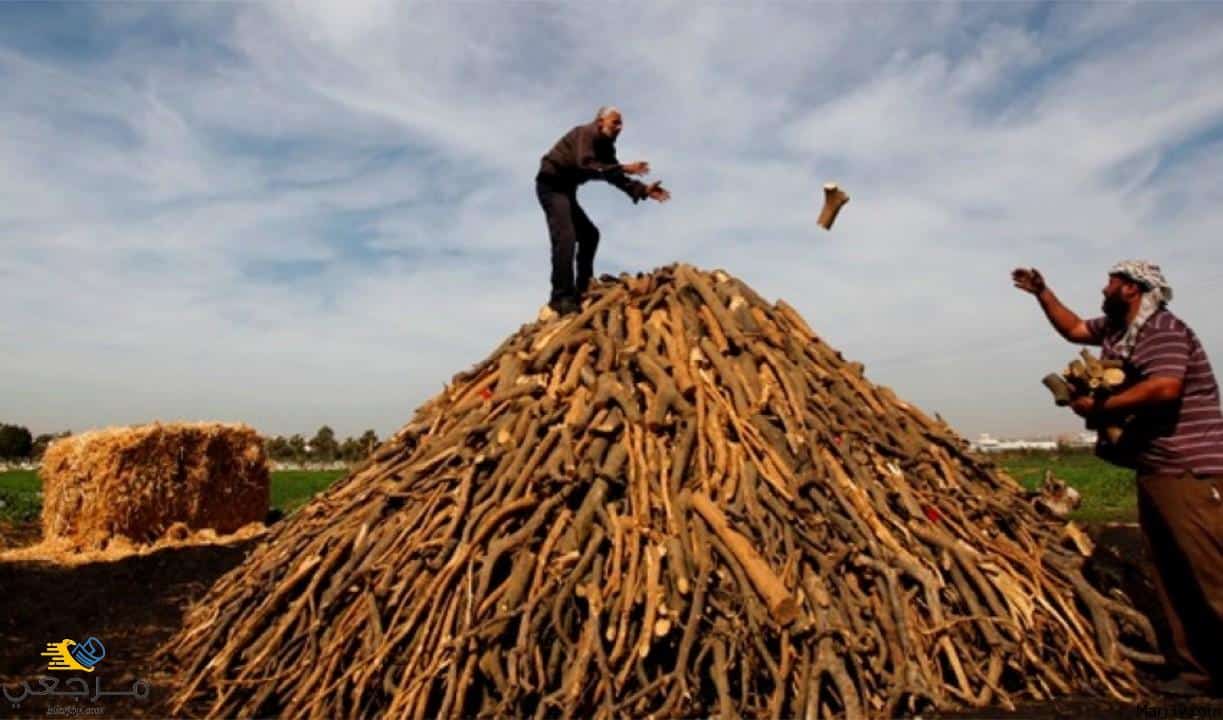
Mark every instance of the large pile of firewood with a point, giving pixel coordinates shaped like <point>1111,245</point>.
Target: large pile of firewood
<point>679,501</point>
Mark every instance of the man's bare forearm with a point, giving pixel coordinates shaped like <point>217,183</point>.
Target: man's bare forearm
<point>1148,393</point>
<point>1060,317</point>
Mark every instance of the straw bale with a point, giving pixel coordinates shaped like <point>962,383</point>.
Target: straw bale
<point>139,482</point>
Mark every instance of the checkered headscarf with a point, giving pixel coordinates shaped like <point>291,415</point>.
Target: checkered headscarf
<point>1156,294</point>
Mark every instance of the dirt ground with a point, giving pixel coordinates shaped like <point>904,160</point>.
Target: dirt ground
<point>135,604</point>
<point>132,606</point>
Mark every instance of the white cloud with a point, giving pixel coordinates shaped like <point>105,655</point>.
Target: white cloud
<point>299,213</point>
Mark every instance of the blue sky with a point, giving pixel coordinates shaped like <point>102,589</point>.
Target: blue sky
<point>299,213</point>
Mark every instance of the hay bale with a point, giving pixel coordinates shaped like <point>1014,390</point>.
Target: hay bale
<point>138,482</point>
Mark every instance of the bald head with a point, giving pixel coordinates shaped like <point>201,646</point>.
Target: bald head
<point>609,121</point>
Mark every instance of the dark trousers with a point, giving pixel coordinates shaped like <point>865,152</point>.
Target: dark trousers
<point>569,229</point>
<point>1182,519</point>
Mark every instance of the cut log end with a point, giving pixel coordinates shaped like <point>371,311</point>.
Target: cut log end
<point>834,199</point>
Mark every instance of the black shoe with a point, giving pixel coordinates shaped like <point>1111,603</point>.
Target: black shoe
<point>565,306</point>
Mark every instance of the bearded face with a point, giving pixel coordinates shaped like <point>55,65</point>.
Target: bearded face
<point>1119,296</point>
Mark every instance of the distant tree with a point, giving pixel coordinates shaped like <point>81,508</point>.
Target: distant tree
<point>324,447</point>
<point>42,442</point>
<point>279,449</point>
<point>368,441</point>
<point>15,442</point>
<point>298,445</point>
<point>351,451</point>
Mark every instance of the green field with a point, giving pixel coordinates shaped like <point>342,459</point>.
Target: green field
<point>293,488</point>
<point>1108,491</point>
<point>19,493</point>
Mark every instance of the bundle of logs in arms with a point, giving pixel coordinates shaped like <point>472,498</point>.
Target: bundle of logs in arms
<point>678,502</point>
<point>1088,375</point>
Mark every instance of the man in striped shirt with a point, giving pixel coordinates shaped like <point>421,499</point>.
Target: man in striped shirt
<point>1174,441</point>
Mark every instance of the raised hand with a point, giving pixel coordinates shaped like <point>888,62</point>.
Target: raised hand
<point>1028,279</point>
<point>656,191</point>
<point>640,167</point>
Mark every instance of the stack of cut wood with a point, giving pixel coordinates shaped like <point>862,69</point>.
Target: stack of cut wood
<point>677,502</point>
<point>1088,375</point>
<point>1085,375</point>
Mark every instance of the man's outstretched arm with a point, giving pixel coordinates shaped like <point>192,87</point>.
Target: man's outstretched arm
<point>1068,325</point>
<point>636,190</point>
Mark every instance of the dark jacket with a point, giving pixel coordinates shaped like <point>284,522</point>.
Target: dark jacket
<point>581,155</point>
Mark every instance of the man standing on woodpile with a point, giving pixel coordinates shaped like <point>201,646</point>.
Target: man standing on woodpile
<point>587,152</point>
<point>1175,442</point>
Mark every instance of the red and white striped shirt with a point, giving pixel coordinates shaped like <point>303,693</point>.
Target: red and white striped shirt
<point>1182,436</point>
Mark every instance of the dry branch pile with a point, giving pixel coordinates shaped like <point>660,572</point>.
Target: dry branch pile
<point>679,501</point>
<point>137,484</point>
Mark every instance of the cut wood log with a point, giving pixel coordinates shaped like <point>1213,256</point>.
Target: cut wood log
<point>834,199</point>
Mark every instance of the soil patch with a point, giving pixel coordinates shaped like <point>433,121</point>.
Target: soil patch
<point>132,605</point>
<point>135,604</point>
